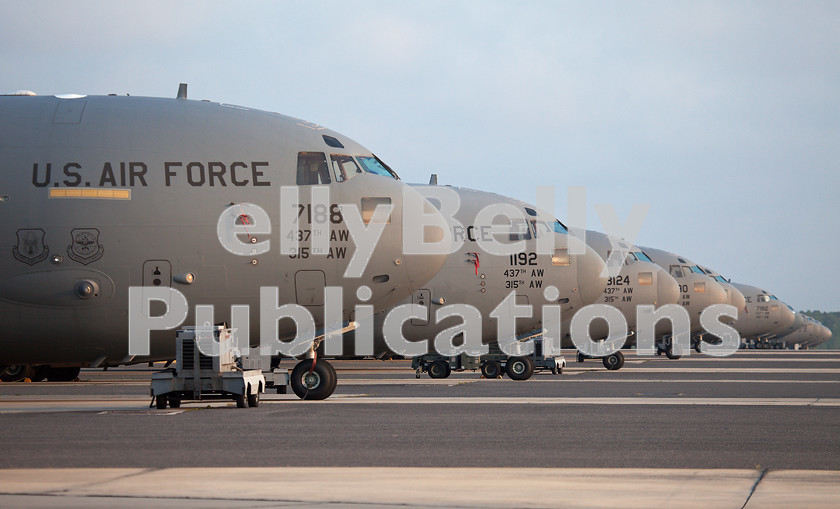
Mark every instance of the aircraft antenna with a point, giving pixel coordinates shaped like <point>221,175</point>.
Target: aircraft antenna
<point>182,91</point>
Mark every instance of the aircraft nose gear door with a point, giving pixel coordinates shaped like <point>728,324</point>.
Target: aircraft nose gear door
<point>422,298</point>
<point>157,274</point>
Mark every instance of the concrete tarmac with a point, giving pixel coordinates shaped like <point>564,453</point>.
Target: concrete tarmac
<point>758,429</point>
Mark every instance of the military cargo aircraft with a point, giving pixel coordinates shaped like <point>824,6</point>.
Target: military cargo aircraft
<point>189,203</point>
<point>484,279</point>
<point>698,291</point>
<point>808,334</point>
<point>638,281</point>
<point>765,316</point>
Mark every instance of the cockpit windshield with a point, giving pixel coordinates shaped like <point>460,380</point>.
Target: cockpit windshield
<point>720,279</point>
<point>542,228</point>
<point>344,167</point>
<point>695,269</point>
<point>372,164</point>
<point>641,256</point>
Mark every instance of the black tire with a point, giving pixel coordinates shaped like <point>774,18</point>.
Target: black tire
<point>175,401</point>
<point>160,401</point>
<point>439,369</point>
<point>15,372</point>
<point>670,353</point>
<point>314,383</point>
<point>613,362</point>
<point>334,374</point>
<point>519,368</point>
<point>240,401</point>
<point>63,374</point>
<point>491,369</point>
<point>580,357</point>
<point>254,400</point>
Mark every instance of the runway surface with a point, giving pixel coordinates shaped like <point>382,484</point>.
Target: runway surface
<point>756,428</point>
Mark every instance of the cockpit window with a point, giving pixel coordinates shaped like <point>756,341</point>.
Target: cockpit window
<point>344,167</point>
<point>312,169</point>
<point>559,227</point>
<point>695,269</point>
<point>372,164</point>
<point>773,297</point>
<point>519,230</point>
<point>676,271</point>
<point>720,279</point>
<point>332,142</point>
<point>763,298</point>
<point>641,256</point>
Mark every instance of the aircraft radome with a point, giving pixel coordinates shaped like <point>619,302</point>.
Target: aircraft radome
<point>100,194</point>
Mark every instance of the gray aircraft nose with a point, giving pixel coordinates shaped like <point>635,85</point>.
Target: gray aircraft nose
<point>667,289</point>
<point>592,278</point>
<point>786,317</point>
<point>736,298</point>
<point>717,295</point>
<point>421,268</point>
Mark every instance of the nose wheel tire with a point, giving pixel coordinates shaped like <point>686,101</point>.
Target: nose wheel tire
<point>313,383</point>
<point>491,369</point>
<point>614,362</point>
<point>439,369</point>
<point>670,353</point>
<point>519,368</point>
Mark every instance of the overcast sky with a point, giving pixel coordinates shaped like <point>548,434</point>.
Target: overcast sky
<point>724,117</point>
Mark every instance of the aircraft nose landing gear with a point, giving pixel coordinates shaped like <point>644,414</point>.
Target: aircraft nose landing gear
<point>313,379</point>
<point>612,362</point>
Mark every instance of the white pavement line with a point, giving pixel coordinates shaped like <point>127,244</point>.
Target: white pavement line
<point>560,379</point>
<point>501,400</point>
<point>677,369</point>
<point>452,381</point>
<point>460,487</point>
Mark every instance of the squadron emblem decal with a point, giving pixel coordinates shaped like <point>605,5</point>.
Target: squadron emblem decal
<point>85,248</point>
<point>30,247</point>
